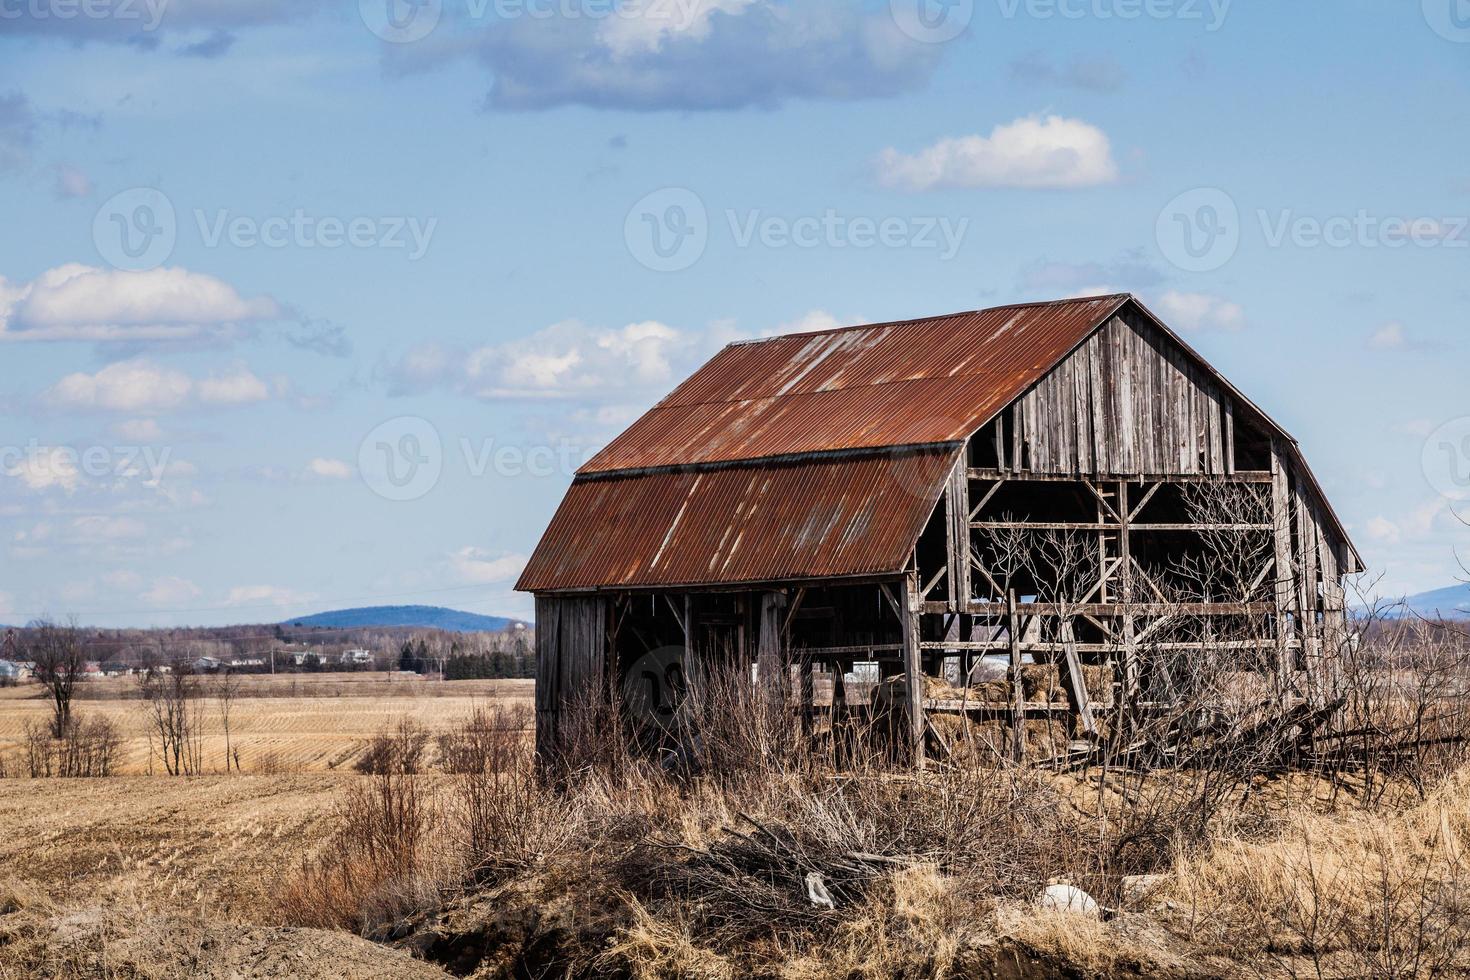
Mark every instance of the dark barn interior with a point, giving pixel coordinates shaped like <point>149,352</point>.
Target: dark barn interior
<point>1033,514</point>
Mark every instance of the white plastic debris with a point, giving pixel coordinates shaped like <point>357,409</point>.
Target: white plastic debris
<point>1062,897</point>
<point>816,891</point>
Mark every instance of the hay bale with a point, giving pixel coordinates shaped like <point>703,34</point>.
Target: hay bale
<point>1099,681</point>
<point>1041,683</point>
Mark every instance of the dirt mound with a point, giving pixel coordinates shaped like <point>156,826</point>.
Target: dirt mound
<point>106,943</point>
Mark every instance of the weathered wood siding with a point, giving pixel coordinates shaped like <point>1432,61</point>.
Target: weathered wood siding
<point>571,659</point>
<point>1127,401</point>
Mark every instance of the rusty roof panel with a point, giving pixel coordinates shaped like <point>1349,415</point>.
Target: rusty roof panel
<point>825,518</point>
<point>910,383</point>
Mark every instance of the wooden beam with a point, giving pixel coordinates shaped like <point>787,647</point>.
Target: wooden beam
<point>997,609</point>
<point>1094,526</point>
<point>1240,476</point>
<point>1076,680</point>
<point>1281,522</point>
<point>913,667</point>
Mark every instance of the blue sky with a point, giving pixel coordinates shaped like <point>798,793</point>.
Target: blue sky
<point>258,252</point>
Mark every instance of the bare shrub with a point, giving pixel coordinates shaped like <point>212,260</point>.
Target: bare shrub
<point>378,865</point>
<point>399,749</point>
<point>504,819</point>
<point>87,750</point>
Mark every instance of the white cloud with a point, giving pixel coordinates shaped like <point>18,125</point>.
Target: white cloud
<point>102,527</point>
<point>565,360</point>
<point>46,468</point>
<point>122,579</point>
<point>140,385</point>
<point>479,566</point>
<point>127,386</point>
<point>138,430</point>
<point>329,469</point>
<point>813,321</point>
<point>171,590</point>
<point>1383,530</point>
<point>689,55</point>
<point>265,595</point>
<point>662,21</point>
<point>71,182</point>
<point>1032,152</point>
<point>1199,311</point>
<point>238,386</point>
<point>1390,336</point>
<point>79,302</point>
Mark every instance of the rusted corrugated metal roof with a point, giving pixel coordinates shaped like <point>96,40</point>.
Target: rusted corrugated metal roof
<point>829,517</point>
<point>890,384</point>
<point>678,499</point>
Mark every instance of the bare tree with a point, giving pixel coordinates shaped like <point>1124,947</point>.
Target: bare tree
<point>226,687</point>
<point>57,652</point>
<point>177,719</point>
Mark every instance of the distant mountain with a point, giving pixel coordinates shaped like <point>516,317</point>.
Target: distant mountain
<point>1450,603</point>
<point>423,617</point>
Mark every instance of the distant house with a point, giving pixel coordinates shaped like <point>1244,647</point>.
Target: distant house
<point>247,663</point>
<point>205,665</point>
<point>9,671</point>
<point>356,658</point>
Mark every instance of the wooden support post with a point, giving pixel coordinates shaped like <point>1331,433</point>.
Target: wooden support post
<point>1281,524</point>
<point>1076,680</point>
<point>770,652</point>
<point>1018,695</point>
<point>957,538</point>
<point>913,668</point>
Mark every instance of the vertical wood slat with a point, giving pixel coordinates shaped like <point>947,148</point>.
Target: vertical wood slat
<point>1281,522</point>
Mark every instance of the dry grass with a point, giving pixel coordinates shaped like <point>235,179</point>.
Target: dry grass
<point>322,726</point>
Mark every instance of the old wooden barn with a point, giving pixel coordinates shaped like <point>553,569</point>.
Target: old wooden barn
<point>952,501</point>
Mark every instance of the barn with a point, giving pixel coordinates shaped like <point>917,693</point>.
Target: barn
<point>1061,488</point>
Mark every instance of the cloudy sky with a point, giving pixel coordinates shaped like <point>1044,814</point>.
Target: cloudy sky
<point>309,304</point>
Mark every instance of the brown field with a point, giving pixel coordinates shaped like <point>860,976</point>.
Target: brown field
<point>291,723</point>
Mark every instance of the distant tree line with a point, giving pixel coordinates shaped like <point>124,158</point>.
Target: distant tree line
<point>458,663</point>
